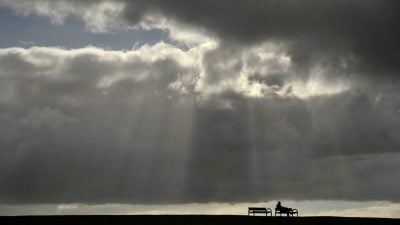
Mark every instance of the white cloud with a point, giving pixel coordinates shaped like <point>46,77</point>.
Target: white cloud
<point>261,70</point>
<point>206,69</point>
<point>99,16</point>
<point>316,85</point>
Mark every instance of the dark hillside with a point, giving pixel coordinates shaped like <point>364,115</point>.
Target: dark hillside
<point>189,220</point>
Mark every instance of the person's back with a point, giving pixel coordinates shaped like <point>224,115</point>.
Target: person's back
<point>282,209</point>
<point>278,206</point>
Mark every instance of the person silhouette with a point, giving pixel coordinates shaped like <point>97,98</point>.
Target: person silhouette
<point>282,209</point>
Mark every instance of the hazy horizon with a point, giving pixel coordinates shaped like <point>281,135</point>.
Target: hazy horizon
<point>306,208</point>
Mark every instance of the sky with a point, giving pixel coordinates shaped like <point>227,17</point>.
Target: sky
<point>184,106</point>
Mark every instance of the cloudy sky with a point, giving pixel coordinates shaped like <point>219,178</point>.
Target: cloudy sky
<point>165,106</point>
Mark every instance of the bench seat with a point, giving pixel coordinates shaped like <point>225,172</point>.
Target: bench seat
<point>287,211</point>
<point>261,210</point>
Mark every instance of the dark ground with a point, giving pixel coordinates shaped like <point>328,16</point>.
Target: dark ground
<point>189,220</point>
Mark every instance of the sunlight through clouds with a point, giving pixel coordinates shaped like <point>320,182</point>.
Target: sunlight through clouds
<point>207,107</point>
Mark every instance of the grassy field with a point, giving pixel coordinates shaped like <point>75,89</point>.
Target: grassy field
<point>189,220</point>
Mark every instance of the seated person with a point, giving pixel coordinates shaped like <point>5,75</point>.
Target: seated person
<point>283,209</point>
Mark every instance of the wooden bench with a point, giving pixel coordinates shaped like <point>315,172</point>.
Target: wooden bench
<point>255,210</point>
<point>287,211</point>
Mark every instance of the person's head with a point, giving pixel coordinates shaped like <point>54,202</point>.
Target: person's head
<point>279,203</point>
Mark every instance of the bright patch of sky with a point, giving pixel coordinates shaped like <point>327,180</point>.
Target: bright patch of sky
<point>34,30</point>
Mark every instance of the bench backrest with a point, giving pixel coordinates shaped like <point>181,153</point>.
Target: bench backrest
<point>257,208</point>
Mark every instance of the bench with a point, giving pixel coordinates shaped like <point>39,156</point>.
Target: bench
<point>287,211</point>
<point>255,210</point>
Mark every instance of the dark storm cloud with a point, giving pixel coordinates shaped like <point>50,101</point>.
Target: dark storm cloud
<point>339,28</point>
